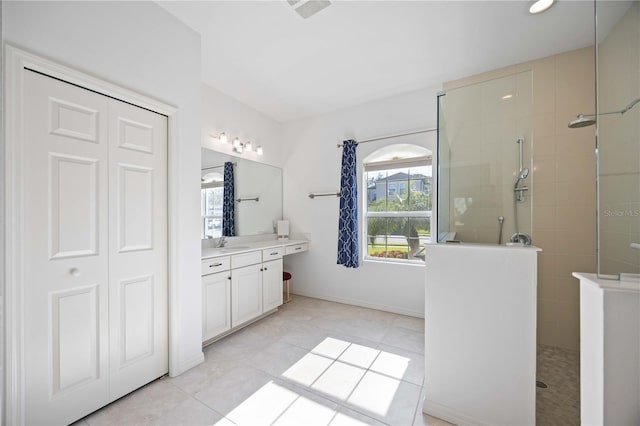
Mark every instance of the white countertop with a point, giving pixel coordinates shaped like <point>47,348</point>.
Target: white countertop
<point>245,247</point>
<point>484,246</point>
<point>627,284</point>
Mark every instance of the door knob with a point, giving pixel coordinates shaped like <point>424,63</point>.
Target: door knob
<point>74,272</point>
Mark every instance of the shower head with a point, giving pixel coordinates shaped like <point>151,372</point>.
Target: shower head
<point>521,177</point>
<point>523,174</point>
<point>581,121</point>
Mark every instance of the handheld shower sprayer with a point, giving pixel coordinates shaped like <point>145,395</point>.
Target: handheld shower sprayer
<point>524,173</point>
<point>518,186</point>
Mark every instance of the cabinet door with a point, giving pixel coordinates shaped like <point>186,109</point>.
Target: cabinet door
<point>271,284</point>
<point>216,304</point>
<point>246,294</point>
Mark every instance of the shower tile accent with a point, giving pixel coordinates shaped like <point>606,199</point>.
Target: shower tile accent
<point>559,404</point>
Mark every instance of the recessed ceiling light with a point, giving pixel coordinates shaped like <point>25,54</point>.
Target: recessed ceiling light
<point>540,6</point>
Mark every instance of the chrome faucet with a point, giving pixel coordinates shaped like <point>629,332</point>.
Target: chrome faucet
<point>221,242</point>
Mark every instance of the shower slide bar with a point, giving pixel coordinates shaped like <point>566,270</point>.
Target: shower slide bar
<point>327,194</point>
<point>392,136</point>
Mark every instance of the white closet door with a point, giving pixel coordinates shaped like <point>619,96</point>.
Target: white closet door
<point>138,320</point>
<point>96,322</point>
<point>66,254</point>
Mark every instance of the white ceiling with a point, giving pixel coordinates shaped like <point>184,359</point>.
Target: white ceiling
<point>265,55</point>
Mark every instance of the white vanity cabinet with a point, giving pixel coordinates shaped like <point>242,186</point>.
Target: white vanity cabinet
<point>240,288</point>
<point>246,294</point>
<point>216,297</point>
<point>272,278</point>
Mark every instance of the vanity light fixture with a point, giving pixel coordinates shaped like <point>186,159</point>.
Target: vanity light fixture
<point>539,6</point>
<point>238,146</point>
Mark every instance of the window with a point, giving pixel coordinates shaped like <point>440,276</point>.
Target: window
<point>212,196</point>
<point>398,208</point>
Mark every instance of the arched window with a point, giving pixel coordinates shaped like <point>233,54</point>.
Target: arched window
<point>397,212</point>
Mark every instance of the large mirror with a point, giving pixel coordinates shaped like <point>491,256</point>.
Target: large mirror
<point>258,195</point>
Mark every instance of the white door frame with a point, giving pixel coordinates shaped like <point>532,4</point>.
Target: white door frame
<point>16,61</point>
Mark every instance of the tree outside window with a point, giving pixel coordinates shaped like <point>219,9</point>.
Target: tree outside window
<point>212,196</point>
<point>398,209</point>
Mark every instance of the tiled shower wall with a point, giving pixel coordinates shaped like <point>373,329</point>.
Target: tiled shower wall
<point>563,185</point>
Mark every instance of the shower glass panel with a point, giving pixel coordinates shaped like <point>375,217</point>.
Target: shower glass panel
<point>618,142</point>
<point>484,151</point>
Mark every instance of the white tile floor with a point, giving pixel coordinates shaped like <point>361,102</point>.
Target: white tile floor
<point>319,363</point>
<point>312,362</point>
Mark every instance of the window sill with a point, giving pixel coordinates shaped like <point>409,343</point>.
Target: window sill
<point>394,261</point>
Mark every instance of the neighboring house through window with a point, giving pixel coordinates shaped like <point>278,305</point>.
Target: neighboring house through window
<point>398,206</point>
<point>212,195</point>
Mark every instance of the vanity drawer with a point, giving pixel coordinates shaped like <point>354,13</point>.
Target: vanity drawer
<point>272,253</point>
<point>297,248</point>
<point>215,264</point>
<point>245,259</point>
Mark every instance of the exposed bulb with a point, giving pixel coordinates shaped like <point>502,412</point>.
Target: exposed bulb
<point>259,150</point>
<point>540,6</point>
<point>223,137</point>
<point>248,146</point>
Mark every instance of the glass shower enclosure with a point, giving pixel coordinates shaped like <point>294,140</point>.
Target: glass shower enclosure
<point>618,146</point>
<point>485,161</point>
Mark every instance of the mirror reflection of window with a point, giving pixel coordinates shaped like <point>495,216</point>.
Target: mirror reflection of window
<point>212,194</point>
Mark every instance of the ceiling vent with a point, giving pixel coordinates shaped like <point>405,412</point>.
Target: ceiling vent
<point>307,8</point>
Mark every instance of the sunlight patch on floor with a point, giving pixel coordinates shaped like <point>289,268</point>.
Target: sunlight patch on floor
<point>264,406</point>
<point>361,376</point>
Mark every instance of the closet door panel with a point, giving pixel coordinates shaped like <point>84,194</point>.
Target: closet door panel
<point>138,247</point>
<point>65,228</point>
<point>135,212</point>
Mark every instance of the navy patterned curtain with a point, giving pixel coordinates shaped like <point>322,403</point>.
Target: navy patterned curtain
<point>228,202</point>
<point>348,220</point>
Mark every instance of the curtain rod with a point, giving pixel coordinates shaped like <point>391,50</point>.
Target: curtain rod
<point>392,136</point>
<point>216,167</point>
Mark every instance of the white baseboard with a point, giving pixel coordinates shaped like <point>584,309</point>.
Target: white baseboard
<point>445,413</point>
<point>363,304</point>
<point>188,364</point>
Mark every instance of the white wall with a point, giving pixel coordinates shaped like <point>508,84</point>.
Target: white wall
<point>311,163</point>
<point>139,46</point>
<point>222,113</point>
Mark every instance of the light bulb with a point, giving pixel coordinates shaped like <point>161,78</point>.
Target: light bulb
<point>540,6</point>
<point>259,150</point>
<point>236,143</point>
<point>223,137</point>
<point>248,146</point>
